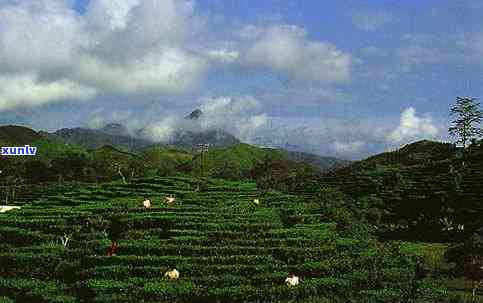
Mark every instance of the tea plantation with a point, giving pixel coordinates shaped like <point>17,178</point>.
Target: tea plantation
<point>226,248</point>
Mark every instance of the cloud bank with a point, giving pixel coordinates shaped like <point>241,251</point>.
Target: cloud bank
<point>51,53</point>
<point>287,49</point>
<point>240,116</point>
<point>48,52</point>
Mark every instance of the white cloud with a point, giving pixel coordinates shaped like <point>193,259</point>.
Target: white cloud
<point>412,127</point>
<point>28,91</point>
<point>162,130</point>
<point>344,138</point>
<point>144,48</point>
<point>287,49</point>
<point>96,122</point>
<point>110,14</point>
<point>370,21</point>
<point>38,37</point>
<point>124,47</point>
<point>240,116</point>
<point>228,106</point>
<point>167,71</point>
<point>101,117</point>
<point>224,55</point>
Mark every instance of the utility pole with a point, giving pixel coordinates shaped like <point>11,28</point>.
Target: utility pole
<point>202,149</point>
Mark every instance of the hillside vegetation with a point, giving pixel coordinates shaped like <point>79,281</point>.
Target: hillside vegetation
<point>409,191</point>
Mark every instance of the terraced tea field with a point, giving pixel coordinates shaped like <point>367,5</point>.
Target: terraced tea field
<point>226,249</point>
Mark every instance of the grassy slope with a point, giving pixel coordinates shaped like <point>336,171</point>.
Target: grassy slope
<point>110,153</point>
<point>160,153</point>
<point>242,156</point>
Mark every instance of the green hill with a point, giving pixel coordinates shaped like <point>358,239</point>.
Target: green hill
<point>412,189</point>
<point>415,153</point>
<point>237,158</point>
<point>358,177</point>
<point>12,135</point>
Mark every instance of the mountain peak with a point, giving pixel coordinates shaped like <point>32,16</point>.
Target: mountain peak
<point>115,129</point>
<point>195,115</point>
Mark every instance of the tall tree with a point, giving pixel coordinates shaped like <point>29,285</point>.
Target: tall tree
<point>468,117</point>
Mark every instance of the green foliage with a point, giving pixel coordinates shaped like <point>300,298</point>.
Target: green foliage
<point>466,124</point>
<point>226,248</point>
<point>467,253</point>
<point>234,162</point>
<point>432,255</point>
<point>165,161</point>
<point>279,173</point>
<point>404,194</point>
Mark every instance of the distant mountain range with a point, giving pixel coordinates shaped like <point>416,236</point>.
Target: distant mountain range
<point>119,137</point>
<point>112,134</point>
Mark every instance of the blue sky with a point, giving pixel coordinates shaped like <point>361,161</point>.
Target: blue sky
<point>339,78</point>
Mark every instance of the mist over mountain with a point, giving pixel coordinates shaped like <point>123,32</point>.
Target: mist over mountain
<point>115,129</point>
<point>189,139</point>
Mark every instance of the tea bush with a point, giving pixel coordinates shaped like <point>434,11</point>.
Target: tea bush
<point>226,248</point>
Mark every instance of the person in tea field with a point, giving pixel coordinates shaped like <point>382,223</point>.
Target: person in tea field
<point>172,274</point>
<point>146,203</point>
<point>115,232</point>
<point>113,249</point>
<point>292,280</point>
<point>169,199</point>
